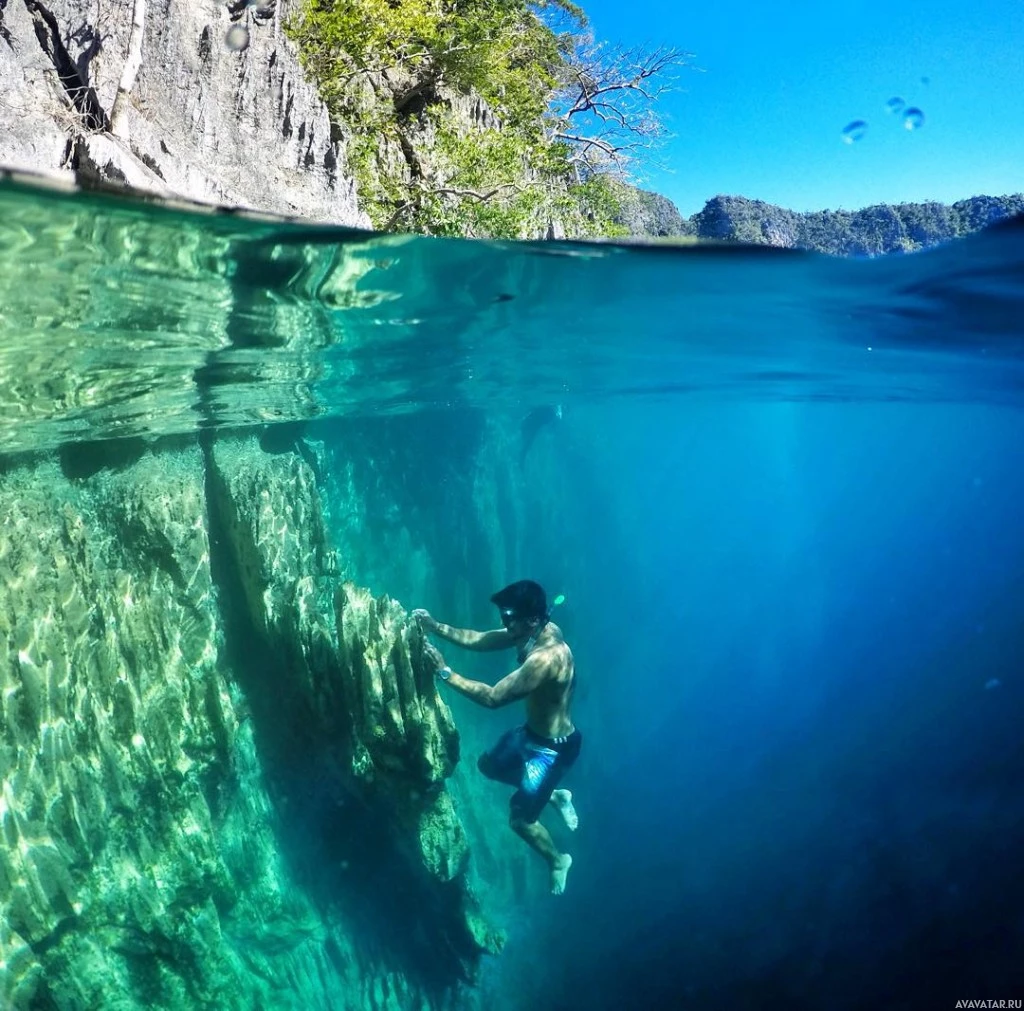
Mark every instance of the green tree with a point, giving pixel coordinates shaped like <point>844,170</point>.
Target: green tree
<point>557,114</point>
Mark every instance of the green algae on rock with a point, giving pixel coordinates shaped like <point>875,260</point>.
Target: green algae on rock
<point>182,664</point>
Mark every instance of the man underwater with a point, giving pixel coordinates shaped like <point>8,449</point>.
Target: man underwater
<point>535,756</point>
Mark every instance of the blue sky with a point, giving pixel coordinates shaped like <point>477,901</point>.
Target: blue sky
<point>761,111</point>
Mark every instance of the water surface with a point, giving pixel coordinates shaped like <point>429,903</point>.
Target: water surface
<point>123,318</point>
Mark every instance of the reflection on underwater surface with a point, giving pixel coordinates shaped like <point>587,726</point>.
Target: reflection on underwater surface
<point>125,319</point>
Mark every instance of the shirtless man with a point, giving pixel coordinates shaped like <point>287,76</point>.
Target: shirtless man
<point>533,757</point>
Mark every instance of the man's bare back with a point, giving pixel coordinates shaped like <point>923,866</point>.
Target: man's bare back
<point>547,706</point>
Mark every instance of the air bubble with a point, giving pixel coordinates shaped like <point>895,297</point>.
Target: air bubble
<point>853,132</point>
<point>913,119</point>
<point>895,104</point>
<point>237,38</point>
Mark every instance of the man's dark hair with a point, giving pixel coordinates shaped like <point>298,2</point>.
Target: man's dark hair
<point>526,598</point>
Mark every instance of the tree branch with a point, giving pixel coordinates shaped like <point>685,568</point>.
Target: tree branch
<point>448,191</point>
<point>604,107</point>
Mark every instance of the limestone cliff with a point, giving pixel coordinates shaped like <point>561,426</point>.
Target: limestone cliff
<point>644,213</point>
<point>189,98</point>
<point>223,767</point>
<point>871,231</point>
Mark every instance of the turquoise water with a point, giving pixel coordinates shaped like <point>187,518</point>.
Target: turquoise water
<point>128,319</point>
<point>782,498</point>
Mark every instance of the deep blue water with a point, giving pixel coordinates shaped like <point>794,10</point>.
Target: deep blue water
<point>802,629</point>
<point>784,504</point>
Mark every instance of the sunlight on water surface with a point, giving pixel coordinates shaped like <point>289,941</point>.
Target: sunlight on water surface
<point>124,318</point>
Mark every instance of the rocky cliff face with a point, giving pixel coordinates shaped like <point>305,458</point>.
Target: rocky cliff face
<point>644,213</point>
<point>187,98</point>
<point>224,767</point>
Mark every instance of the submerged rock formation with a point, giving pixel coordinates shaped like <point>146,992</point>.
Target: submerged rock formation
<point>223,768</point>
<point>192,99</point>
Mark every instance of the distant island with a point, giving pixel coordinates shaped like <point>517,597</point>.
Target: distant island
<point>873,231</point>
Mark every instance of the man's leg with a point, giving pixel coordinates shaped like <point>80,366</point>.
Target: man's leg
<point>561,800</point>
<point>538,837</point>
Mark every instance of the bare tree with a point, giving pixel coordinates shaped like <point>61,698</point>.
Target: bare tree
<point>603,109</point>
<point>132,63</point>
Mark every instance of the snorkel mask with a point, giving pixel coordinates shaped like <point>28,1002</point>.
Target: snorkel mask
<point>510,614</point>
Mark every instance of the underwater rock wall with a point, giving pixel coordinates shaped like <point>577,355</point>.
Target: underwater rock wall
<point>350,668</point>
<point>428,508</point>
<point>441,509</point>
<point>223,772</point>
<point>425,507</point>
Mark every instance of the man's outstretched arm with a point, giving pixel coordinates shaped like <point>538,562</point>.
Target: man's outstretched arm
<point>481,642</point>
<point>510,688</point>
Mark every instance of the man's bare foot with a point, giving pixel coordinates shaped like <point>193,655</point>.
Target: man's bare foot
<point>562,799</point>
<point>559,872</point>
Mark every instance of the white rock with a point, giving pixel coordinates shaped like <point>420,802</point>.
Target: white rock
<point>201,121</point>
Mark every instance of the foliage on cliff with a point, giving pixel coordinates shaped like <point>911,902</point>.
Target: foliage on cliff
<point>872,231</point>
<point>643,213</point>
<point>482,117</point>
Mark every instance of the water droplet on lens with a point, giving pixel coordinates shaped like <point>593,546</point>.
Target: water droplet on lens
<point>926,80</point>
<point>913,119</point>
<point>895,104</point>
<point>853,132</point>
<point>237,38</point>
